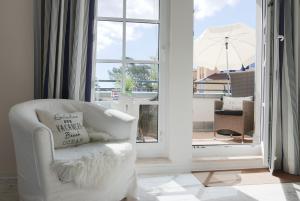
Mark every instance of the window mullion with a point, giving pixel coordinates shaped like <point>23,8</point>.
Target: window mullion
<point>124,47</point>
<point>116,19</point>
<point>131,61</point>
<point>110,19</point>
<point>108,61</point>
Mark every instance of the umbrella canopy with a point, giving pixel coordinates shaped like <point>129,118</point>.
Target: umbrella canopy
<point>210,48</point>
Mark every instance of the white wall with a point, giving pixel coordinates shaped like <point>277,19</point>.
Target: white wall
<point>180,83</point>
<point>203,109</point>
<point>16,70</point>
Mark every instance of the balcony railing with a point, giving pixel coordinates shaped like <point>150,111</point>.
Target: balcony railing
<point>211,88</point>
<point>107,89</point>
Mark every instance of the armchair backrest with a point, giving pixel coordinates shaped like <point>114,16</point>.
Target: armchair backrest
<point>242,83</point>
<point>27,110</point>
<point>94,116</point>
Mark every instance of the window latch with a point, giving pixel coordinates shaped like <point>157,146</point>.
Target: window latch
<point>281,38</point>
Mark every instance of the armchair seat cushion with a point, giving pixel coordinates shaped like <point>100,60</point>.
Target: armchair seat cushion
<point>93,164</point>
<point>229,112</point>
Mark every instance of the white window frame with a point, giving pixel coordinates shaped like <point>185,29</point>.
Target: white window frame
<point>157,149</point>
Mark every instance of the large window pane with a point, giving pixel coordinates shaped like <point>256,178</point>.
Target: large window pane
<point>142,41</point>
<point>143,9</point>
<point>108,81</point>
<point>142,81</point>
<point>109,40</point>
<point>110,8</point>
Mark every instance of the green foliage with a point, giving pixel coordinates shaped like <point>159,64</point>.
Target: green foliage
<point>153,73</point>
<point>136,76</point>
<point>115,74</point>
<point>129,85</point>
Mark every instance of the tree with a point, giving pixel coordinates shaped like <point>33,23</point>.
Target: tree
<point>139,73</point>
<point>115,74</point>
<point>129,84</point>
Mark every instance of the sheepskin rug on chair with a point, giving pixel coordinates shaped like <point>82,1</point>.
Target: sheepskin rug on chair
<point>91,165</point>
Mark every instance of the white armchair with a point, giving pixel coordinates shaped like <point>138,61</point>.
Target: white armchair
<point>35,152</point>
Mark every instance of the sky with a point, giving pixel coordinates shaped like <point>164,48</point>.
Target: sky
<point>142,38</point>
<point>210,13</point>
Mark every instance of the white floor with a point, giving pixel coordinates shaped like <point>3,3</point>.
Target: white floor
<point>186,187</point>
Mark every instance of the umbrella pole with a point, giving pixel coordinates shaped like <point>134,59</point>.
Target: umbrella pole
<point>227,65</point>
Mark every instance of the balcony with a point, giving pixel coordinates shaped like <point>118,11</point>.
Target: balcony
<point>211,89</point>
<point>203,123</point>
<point>143,103</point>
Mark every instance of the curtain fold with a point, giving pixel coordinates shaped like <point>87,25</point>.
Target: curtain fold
<point>283,45</point>
<point>64,35</point>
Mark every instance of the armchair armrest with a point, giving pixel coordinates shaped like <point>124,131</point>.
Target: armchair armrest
<point>125,123</point>
<point>26,127</point>
<point>218,105</point>
<point>248,115</point>
<point>33,143</point>
<point>116,123</point>
<point>119,115</point>
<point>248,107</point>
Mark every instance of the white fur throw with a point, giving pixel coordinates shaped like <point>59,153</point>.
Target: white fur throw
<point>90,165</point>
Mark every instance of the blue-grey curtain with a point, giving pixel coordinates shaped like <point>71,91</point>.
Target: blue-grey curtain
<point>283,45</point>
<point>64,31</point>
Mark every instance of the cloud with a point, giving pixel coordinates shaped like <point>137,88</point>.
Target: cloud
<point>112,32</point>
<point>109,33</point>
<point>110,8</point>
<point>208,8</point>
<point>143,9</point>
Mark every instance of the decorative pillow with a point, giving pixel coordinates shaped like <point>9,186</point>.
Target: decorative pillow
<point>67,128</point>
<point>235,103</point>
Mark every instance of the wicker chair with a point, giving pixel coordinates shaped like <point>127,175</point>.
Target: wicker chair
<point>237,121</point>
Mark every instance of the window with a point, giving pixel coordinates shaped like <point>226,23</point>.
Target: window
<point>127,59</point>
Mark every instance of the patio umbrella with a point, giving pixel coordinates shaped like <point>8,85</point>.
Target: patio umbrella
<point>225,48</point>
